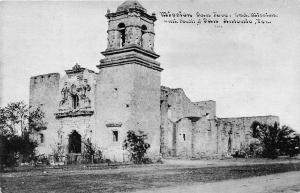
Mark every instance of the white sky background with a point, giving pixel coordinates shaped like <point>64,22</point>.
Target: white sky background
<point>247,69</point>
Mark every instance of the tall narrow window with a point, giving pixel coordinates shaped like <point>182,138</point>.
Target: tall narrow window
<point>143,40</point>
<point>115,136</point>
<point>121,29</point>
<point>229,145</point>
<point>183,136</point>
<point>75,101</point>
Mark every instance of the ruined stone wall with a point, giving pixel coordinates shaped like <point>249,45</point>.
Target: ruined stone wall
<point>205,136</point>
<point>183,138</point>
<point>235,132</point>
<point>208,108</point>
<point>175,106</point>
<point>44,93</point>
<point>178,104</point>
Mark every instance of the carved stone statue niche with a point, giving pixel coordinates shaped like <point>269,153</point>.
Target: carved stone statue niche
<point>65,101</point>
<point>78,92</point>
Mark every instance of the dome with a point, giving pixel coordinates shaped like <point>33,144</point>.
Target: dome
<point>130,4</point>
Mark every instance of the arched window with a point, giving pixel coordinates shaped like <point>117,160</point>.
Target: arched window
<point>144,29</point>
<point>121,29</point>
<point>74,142</point>
<point>75,101</point>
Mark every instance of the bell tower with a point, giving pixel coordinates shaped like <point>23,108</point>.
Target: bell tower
<point>130,26</point>
<point>128,84</point>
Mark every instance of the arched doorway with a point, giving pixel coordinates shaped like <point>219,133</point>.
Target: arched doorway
<point>74,142</point>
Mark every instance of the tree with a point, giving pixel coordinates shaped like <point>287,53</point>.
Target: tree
<point>289,142</point>
<point>274,140</point>
<point>136,145</point>
<point>17,118</point>
<point>17,122</point>
<point>14,117</point>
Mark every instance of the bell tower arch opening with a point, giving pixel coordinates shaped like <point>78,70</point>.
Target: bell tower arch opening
<point>130,26</point>
<point>122,34</point>
<point>143,34</point>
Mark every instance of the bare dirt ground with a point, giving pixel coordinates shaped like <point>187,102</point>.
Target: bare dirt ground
<point>288,182</point>
<point>174,175</point>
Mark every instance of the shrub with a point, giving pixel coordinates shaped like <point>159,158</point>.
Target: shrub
<point>58,151</point>
<point>253,150</point>
<point>17,122</point>
<point>137,147</point>
<point>243,152</point>
<point>88,151</point>
<point>91,153</point>
<point>18,149</point>
<point>274,140</point>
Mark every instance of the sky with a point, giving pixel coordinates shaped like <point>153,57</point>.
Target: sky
<point>248,70</point>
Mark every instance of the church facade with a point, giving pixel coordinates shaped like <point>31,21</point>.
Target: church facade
<point>126,94</point>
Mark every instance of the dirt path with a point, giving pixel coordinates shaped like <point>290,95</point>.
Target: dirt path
<point>288,182</point>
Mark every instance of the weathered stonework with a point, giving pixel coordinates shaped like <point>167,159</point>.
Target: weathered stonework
<point>126,94</point>
<point>191,129</point>
<point>44,93</point>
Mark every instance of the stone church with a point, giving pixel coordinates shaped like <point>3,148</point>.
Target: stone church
<point>126,94</point>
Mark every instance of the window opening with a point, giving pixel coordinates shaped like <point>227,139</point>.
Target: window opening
<point>115,136</point>
<point>121,30</point>
<point>75,100</point>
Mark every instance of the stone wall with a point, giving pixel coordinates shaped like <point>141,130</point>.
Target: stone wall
<point>81,119</point>
<point>44,93</point>
<point>183,138</point>
<point>178,113</point>
<point>127,99</point>
<point>84,125</point>
<point>235,132</point>
<point>113,107</point>
<point>145,110</point>
<point>208,108</point>
<point>191,129</point>
<point>205,137</point>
